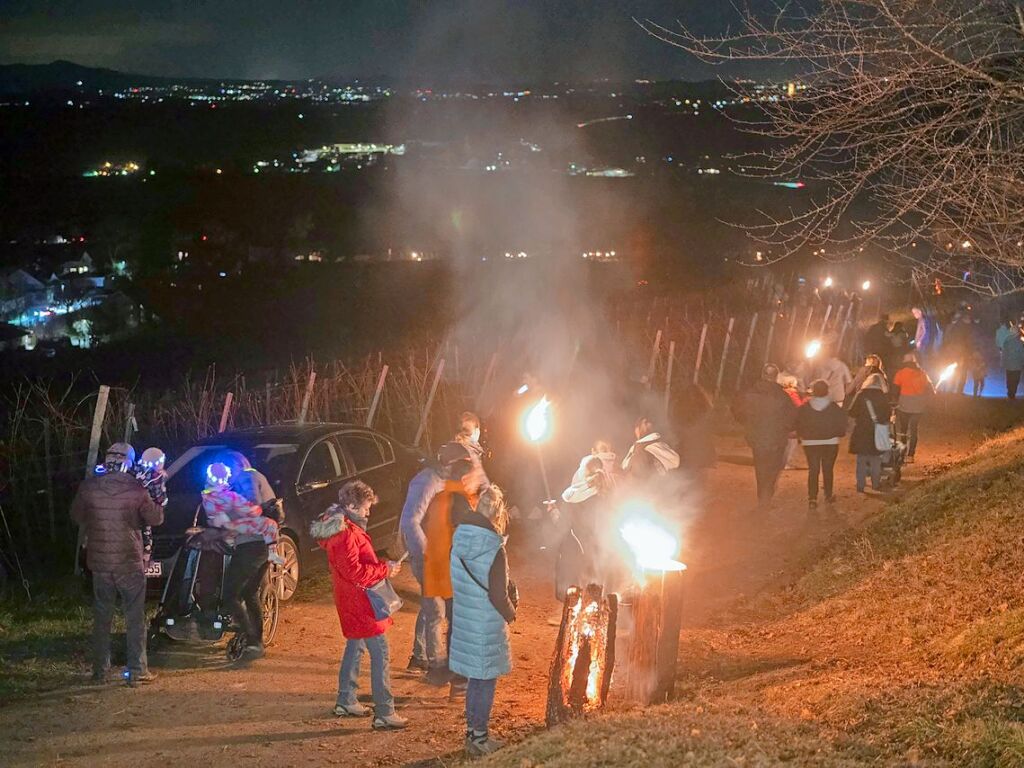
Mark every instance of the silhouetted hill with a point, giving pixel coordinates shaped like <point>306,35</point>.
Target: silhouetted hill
<point>66,75</point>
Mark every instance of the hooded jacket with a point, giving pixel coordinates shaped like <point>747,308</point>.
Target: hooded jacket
<point>766,413</point>
<point>650,455</point>
<point>354,567</point>
<point>819,421</point>
<point>422,488</point>
<point>112,508</point>
<point>481,609</point>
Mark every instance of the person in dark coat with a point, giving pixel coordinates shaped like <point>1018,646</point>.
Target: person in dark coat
<point>691,418</point>
<point>112,508</point>
<point>870,407</point>
<point>820,424</point>
<point>899,345</point>
<point>768,415</point>
<point>876,338</point>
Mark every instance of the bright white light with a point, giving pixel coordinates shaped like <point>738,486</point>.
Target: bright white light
<point>812,349</point>
<point>652,546</point>
<point>523,390</point>
<point>828,281</point>
<point>947,372</point>
<point>537,422</point>
<point>965,244</point>
<point>866,285</point>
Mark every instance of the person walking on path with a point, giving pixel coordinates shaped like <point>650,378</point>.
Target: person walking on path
<point>341,532</point>
<point>872,364</point>
<point>820,424</point>
<point>1013,361</point>
<point>876,338</point>
<point>870,408</point>
<point>768,416</point>
<point>836,374</point>
<point>484,605</point>
<point>912,389</point>
<point>112,508</point>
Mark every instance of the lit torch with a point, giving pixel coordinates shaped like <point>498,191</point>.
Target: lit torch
<point>653,547</point>
<point>812,349</point>
<point>947,374</point>
<point>537,426</point>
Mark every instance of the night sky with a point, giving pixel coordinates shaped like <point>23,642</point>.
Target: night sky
<point>414,41</point>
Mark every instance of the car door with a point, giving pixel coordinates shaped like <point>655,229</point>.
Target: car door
<point>371,458</point>
<point>318,479</point>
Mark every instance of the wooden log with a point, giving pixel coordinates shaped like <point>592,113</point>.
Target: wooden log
<point>656,609</point>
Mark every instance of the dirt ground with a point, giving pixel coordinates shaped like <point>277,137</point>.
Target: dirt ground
<point>278,711</point>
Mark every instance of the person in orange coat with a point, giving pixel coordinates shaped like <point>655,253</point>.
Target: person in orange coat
<point>444,513</point>
<point>354,566</point>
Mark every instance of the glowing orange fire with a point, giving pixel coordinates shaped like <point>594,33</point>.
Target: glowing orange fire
<point>586,640</point>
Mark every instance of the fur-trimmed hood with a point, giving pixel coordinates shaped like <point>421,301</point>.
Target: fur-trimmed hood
<point>330,523</point>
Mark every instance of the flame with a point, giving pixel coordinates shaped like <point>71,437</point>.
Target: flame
<point>812,349</point>
<point>537,423</point>
<point>652,546</point>
<point>586,622</point>
<point>947,372</point>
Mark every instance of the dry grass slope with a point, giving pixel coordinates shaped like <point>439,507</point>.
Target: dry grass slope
<point>904,644</point>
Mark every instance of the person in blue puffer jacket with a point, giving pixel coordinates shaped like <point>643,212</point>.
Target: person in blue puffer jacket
<point>483,607</point>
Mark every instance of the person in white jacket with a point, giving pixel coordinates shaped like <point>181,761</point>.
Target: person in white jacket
<point>650,454</point>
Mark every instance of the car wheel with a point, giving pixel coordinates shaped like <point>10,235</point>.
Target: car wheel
<point>286,576</point>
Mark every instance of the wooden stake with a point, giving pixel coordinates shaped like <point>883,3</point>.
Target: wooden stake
<point>307,396</point>
<point>700,354</point>
<point>225,412</point>
<point>824,321</point>
<point>668,374</point>
<point>129,423</point>
<point>376,396</point>
<point>746,350</point>
<point>487,381</point>
<point>266,418</point>
<point>725,355</point>
<point>788,348</point>
<point>430,401</point>
<point>807,328</point>
<point>655,353</point>
<point>48,467</point>
<point>771,333</point>
<point>97,428</point>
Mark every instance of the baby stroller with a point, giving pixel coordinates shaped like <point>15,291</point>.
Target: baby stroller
<point>191,606</point>
<point>893,459</point>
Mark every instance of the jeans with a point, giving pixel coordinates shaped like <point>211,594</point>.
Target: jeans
<point>821,459</point>
<point>242,589</point>
<point>906,430</point>
<point>768,463</point>
<point>131,587</point>
<point>430,641</point>
<point>479,701</point>
<point>380,674</point>
<point>869,465</point>
<point>1012,382</point>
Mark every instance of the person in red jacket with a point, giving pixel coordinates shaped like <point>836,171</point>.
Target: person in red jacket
<point>341,531</point>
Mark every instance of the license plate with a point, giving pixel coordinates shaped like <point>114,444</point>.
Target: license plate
<point>154,570</point>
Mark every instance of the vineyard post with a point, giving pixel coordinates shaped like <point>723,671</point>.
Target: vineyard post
<point>807,327</point>
<point>771,333</point>
<point>824,321</point>
<point>376,396</point>
<point>746,350</point>
<point>668,373</point>
<point>725,355</point>
<point>307,396</point>
<point>48,466</point>
<point>429,403</point>
<point>130,425</point>
<point>655,353</point>
<point>700,354</point>
<point>90,460</point>
<point>226,411</point>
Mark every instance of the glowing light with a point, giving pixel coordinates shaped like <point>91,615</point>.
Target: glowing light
<point>812,349</point>
<point>523,390</point>
<point>965,244</point>
<point>218,474</point>
<point>947,373</point>
<point>829,282</point>
<point>537,423</point>
<point>652,546</point>
<point>866,285</point>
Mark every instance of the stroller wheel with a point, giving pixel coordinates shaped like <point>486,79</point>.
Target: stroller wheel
<point>235,647</point>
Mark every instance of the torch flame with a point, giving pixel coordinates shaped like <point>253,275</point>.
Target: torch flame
<point>813,348</point>
<point>947,372</point>
<point>537,420</point>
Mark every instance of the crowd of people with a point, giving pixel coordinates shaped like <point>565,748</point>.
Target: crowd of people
<point>454,523</point>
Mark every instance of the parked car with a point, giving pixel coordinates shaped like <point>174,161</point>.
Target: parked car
<point>305,464</point>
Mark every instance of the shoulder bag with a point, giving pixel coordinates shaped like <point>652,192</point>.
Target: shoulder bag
<point>383,599</point>
<point>883,439</point>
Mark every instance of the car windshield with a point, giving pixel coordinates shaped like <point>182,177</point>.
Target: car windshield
<point>187,474</point>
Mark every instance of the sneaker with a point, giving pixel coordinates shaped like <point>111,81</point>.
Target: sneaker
<point>389,723</point>
<point>351,710</point>
<point>438,677</point>
<point>253,652</point>
<point>144,678</point>
<point>478,745</point>
<point>417,665</point>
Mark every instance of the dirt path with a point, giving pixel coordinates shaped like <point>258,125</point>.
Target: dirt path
<point>277,712</point>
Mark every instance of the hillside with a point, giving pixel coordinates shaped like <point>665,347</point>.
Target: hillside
<point>65,75</point>
<point>902,645</point>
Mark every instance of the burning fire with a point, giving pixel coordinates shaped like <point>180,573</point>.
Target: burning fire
<point>812,349</point>
<point>537,423</point>
<point>587,630</point>
<point>652,546</point>
<point>947,373</point>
